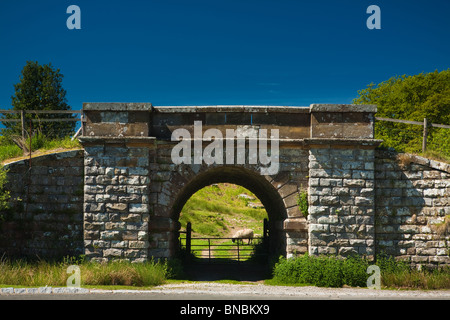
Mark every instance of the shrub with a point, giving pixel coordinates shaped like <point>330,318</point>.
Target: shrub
<point>332,271</point>
<point>322,271</point>
<point>302,202</point>
<point>354,271</point>
<point>425,95</point>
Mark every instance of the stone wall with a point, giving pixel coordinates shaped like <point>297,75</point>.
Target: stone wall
<point>341,193</point>
<point>412,204</point>
<point>116,199</point>
<point>46,217</point>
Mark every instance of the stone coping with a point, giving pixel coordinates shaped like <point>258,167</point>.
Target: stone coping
<point>56,155</point>
<point>342,141</point>
<point>114,140</point>
<point>370,108</point>
<point>148,107</point>
<point>116,106</point>
<point>231,108</point>
<point>433,164</point>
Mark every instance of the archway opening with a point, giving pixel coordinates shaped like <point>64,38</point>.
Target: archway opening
<point>231,189</point>
<point>218,214</point>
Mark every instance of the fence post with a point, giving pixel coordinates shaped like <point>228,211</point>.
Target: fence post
<point>22,120</point>
<point>82,120</point>
<point>425,135</point>
<point>237,241</point>
<point>266,230</point>
<point>188,239</point>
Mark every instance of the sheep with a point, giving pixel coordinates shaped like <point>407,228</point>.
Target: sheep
<point>243,234</point>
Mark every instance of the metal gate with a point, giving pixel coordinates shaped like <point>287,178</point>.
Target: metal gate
<point>223,250</point>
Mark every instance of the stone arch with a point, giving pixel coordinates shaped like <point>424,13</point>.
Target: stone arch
<point>246,177</point>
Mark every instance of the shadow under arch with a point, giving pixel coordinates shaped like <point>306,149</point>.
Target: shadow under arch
<point>251,180</point>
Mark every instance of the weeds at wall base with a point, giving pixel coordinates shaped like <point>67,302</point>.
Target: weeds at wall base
<point>332,271</point>
<point>123,273</point>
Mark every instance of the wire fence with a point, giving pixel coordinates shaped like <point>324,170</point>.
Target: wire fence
<point>406,134</point>
<point>415,136</point>
<point>223,249</point>
<point>23,119</point>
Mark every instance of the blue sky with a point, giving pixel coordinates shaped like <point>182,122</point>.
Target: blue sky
<point>251,52</point>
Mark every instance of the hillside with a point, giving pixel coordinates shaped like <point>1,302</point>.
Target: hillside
<point>219,210</point>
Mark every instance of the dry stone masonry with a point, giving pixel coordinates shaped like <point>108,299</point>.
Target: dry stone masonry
<point>342,204</point>
<point>121,197</point>
<point>46,214</point>
<point>116,197</point>
<point>413,208</point>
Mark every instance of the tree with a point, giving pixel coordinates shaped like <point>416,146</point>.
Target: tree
<point>40,88</point>
<point>426,95</point>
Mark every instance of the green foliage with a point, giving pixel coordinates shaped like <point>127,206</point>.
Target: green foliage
<point>321,271</point>
<point>399,274</point>
<point>8,149</point>
<point>40,88</point>
<point>215,209</point>
<point>426,95</point>
<point>354,271</point>
<point>332,271</point>
<point>40,142</point>
<point>175,269</point>
<point>302,202</point>
<point>389,264</point>
<point>4,194</point>
<point>440,141</point>
<point>45,273</point>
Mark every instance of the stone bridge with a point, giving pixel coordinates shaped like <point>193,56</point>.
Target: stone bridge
<point>142,163</point>
<point>134,192</point>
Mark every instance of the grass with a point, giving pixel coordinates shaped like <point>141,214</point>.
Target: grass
<point>115,273</point>
<point>217,211</point>
<point>436,155</point>
<point>39,144</point>
<point>417,279</point>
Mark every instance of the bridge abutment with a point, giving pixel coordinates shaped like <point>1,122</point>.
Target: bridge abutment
<point>342,197</point>
<point>116,198</point>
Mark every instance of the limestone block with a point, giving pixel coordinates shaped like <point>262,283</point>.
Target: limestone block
<point>295,225</point>
<point>113,252</point>
<point>116,207</point>
<point>111,235</point>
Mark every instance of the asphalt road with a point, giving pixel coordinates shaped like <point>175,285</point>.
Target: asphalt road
<point>236,292</point>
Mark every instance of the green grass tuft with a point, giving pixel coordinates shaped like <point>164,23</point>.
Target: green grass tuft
<point>114,273</point>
